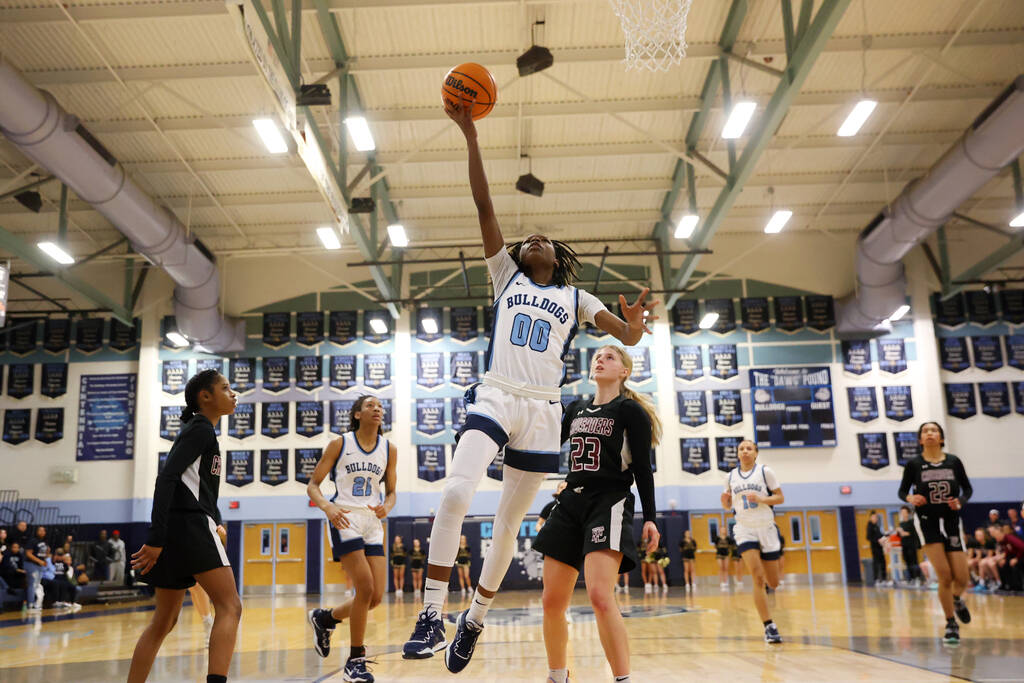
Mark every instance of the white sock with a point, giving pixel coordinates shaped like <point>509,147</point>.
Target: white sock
<point>433,596</point>
<point>478,608</point>
<point>558,675</point>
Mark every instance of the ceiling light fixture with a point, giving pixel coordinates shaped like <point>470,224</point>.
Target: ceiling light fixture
<point>687,224</point>
<point>359,129</point>
<point>778,221</point>
<point>858,115</point>
<point>271,135</point>
<point>328,237</point>
<point>396,233</point>
<point>54,251</point>
<point>738,119</point>
<point>708,321</point>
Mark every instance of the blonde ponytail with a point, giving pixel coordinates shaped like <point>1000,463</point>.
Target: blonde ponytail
<point>649,408</point>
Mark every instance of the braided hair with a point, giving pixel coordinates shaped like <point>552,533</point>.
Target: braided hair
<point>353,421</point>
<point>202,381</point>
<point>567,264</point>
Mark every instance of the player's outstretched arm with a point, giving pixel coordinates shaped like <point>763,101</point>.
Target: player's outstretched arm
<point>462,115</point>
<point>630,330</point>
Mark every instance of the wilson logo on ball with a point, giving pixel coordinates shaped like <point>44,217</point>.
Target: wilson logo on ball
<point>456,83</point>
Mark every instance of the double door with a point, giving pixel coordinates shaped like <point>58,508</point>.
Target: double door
<point>274,557</point>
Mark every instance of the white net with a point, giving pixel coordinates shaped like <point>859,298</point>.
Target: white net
<point>655,32</point>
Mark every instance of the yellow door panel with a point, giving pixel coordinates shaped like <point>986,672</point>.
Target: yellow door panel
<point>290,553</point>
<point>258,554</point>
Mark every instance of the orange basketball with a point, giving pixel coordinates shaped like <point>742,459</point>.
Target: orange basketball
<point>471,81</point>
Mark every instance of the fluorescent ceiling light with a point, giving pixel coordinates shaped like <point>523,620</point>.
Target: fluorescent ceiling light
<point>359,129</point>
<point>271,135</point>
<point>778,221</point>
<point>687,224</point>
<point>1018,221</point>
<point>899,313</point>
<point>378,326</point>
<point>708,321</point>
<point>429,325</point>
<point>54,251</point>
<point>329,237</point>
<point>396,233</point>
<point>860,113</point>
<point>738,119</point>
<point>177,338</point>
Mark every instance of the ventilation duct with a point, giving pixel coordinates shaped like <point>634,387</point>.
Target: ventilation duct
<point>994,140</point>
<point>37,125</point>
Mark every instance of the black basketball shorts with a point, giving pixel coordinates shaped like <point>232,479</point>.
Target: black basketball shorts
<point>940,527</point>
<point>192,547</point>
<point>582,523</point>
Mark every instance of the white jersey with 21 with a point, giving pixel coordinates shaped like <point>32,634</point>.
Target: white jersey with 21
<point>357,475</point>
<point>760,480</point>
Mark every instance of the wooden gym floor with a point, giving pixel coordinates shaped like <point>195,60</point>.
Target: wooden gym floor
<point>831,634</point>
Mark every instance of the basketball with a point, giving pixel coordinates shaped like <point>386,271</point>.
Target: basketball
<point>471,81</point>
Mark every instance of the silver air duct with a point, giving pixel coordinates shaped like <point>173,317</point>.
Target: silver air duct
<point>37,125</point>
<point>994,139</point>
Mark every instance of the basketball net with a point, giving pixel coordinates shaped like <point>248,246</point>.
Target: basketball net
<point>655,32</point>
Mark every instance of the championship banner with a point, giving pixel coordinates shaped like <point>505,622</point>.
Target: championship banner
<point>371,337</point>
<point>377,370</point>
<point>458,406</point>
<point>684,317</point>
<point>309,418</point>
<point>17,425</point>
<point>727,406</point>
<point>341,327</point>
<point>695,454</point>
<point>821,311</point>
<point>242,374</point>
<point>430,462</point>
<point>856,356</point>
<point>343,372</point>
<point>21,339</point>
<point>488,321</point>
<point>953,354</point>
<point>277,329</point>
<point>305,462</point>
<point>170,422</point>
<point>793,407</point>
<point>274,421</point>
<point>173,376</point>
<point>309,328</point>
<point>899,403</point>
<point>692,407</point>
<point>988,352</point>
<point>242,423</point>
<point>1014,350</point>
<point>727,452</point>
<point>726,314</point>
<point>573,360</point>
<point>594,331</point>
<point>423,314</point>
<point>874,450</point>
<point>1018,396</point>
<point>123,337</point>
<point>309,372</point>
<point>907,447</point>
<point>340,420</point>
<point>755,314</point>
<point>20,380</point>
<point>386,404</point>
<point>494,470</point>
<point>49,425</point>
<point>463,370</point>
<point>892,356</point>
<point>273,466</point>
<point>863,405</point>
<point>57,334</point>
<point>981,307</point>
<point>789,313</point>
<point>429,416</point>
<point>960,400</point>
<point>951,312</point>
<point>430,369</point>
<point>641,356</point>
<point>1012,303</point>
<point>724,364</point>
<point>239,470</point>
<point>89,335</point>
<point>464,323</point>
<point>689,362</point>
<point>54,381</point>
<point>161,460</point>
<point>995,398</point>
<point>276,374</point>
<point>204,364</point>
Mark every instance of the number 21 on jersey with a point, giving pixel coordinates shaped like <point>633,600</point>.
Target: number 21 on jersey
<point>362,486</point>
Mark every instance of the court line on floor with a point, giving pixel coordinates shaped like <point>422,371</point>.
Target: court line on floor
<point>73,616</point>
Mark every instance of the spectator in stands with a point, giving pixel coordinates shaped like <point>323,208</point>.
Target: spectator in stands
<point>117,558</point>
<point>874,537</point>
<point>1015,522</point>
<point>909,545</point>
<point>977,552</point>
<point>12,568</point>
<point>21,534</point>
<point>36,555</point>
<point>1009,555</point>
<point>3,539</point>
<point>993,518</point>
<point>66,592</point>
<point>101,554</point>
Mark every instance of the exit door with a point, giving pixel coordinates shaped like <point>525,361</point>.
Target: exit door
<point>274,557</point>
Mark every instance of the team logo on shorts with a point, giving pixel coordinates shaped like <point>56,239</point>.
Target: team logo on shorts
<point>597,535</point>
<point>215,465</point>
<point>954,541</point>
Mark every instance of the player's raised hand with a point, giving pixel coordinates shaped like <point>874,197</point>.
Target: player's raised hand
<point>639,313</point>
<point>461,113</point>
<point>653,536</point>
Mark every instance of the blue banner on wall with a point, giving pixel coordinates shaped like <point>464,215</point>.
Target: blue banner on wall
<point>49,425</point>
<point>340,420</point>
<point>892,356</point>
<point>1015,350</point>
<point>754,313</point>
<point>239,471</point>
<point>594,331</point>
<point>309,327</point>
<point>106,417</point>
<point>727,407</point>
<point>995,398</point>
<point>173,375</point>
<point>123,337</point>
<point>723,361</point>
<point>170,422</point>
<point>692,407</point>
<point>22,335</point>
<point>951,312</point>
<point>488,320</point>
<point>464,323</point>
<point>277,329</point>
<point>386,404</point>
<point>695,454</point>
<point>573,360</point>
<point>960,400</point>
<point>689,362</point>
<point>343,372</point>
<point>907,447</point>
<point>161,460</point>
<point>274,422</point>
<point>204,364</point>
<point>242,374</point>
<point>276,374</point>
<point>57,334</point>
<point>856,356</point>
<point>430,369</point>
<point>988,353</point>
<point>953,354</point>
<point>342,327</point>
<point>17,423</point>
<point>242,423</point>
<point>89,335</point>
<point>727,452</point>
<point>726,314</point>
<point>874,450</point>
<point>20,380</point>
<point>684,317</point>
<point>463,371</point>
<point>1012,303</point>
<point>641,356</point>
<point>458,406</point>
<point>309,372</point>
<point>1018,396</point>
<point>429,416</point>
<point>273,466</point>
<point>863,404</point>
<point>423,314</point>
<point>305,462</point>
<point>789,313</point>
<point>821,311</point>
<point>430,465</point>
<point>981,307</point>
<point>371,337</point>
<point>899,403</point>
<point>54,381</point>
<point>793,407</point>
<point>309,418</point>
<point>377,370</point>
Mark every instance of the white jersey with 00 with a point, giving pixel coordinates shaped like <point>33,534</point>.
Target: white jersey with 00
<point>761,480</point>
<point>357,475</point>
<point>533,325</point>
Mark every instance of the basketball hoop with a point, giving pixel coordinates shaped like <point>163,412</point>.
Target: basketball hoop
<point>655,32</point>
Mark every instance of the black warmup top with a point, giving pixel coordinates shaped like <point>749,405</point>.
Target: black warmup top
<point>688,549</point>
<point>939,483</point>
<point>463,556</point>
<point>722,545</point>
<point>911,540</point>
